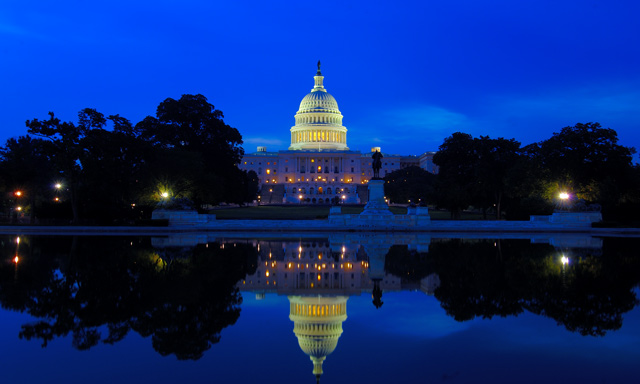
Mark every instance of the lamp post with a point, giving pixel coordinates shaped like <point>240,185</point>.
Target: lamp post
<point>57,187</point>
<point>564,200</point>
<point>18,194</point>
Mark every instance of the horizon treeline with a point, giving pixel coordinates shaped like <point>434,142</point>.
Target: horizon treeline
<point>106,170</point>
<point>84,172</point>
<point>582,167</point>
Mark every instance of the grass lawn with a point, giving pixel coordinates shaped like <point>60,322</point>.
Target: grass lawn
<point>310,212</point>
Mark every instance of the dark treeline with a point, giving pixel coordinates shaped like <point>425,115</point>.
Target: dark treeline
<point>501,177</point>
<point>99,289</point>
<point>486,278</point>
<point>105,169</point>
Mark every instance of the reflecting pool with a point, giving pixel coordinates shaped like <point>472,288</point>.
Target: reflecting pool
<point>339,308</point>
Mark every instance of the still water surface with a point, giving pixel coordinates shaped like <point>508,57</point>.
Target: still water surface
<point>348,308</point>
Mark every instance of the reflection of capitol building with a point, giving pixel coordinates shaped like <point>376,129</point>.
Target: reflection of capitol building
<point>313,267</point>
<point>318,277</point>
<point>318,166</point>
<point>318,325</point>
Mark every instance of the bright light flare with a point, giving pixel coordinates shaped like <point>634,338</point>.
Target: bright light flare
<point>564,260</point>
<point>165,195</point>
<point>564,196</point>
<point>16,259</point>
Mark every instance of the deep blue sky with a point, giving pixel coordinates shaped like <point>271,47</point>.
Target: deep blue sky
<point>405,74</point>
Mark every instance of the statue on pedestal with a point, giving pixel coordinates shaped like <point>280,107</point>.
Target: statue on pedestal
<point>376,164</point>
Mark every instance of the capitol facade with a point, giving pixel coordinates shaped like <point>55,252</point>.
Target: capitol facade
<point>319,167</point>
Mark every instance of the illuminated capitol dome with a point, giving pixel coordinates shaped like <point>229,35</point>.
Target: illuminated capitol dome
<point>318,167</point>
<point>318,326</point>
<point>318,121</point>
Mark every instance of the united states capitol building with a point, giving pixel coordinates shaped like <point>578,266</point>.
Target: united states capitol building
<point>318,167</point>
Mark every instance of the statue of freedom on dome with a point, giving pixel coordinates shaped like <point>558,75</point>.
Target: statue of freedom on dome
<point>376,164</point>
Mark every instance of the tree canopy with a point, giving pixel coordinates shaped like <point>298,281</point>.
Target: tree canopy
<point>109,170</point>
<point>496,174</point>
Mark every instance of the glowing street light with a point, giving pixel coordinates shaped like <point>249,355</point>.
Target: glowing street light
<point>564,196</point>
<point>57,186</point>
<point>564,260</point>
<point>165,195</point>
<point>18,193</point>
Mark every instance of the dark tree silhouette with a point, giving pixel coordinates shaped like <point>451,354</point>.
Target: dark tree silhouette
<point>180,297</point>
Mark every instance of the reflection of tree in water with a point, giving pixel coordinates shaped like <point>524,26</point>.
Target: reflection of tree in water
<point>592,293</point>
<point>486,278</point>
<point>409,265</point>
<point>182,299</point>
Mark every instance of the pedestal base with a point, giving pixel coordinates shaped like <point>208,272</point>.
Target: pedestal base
<point>376,205</point>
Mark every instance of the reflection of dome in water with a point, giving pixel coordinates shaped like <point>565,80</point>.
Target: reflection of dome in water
<point>318,325</point>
